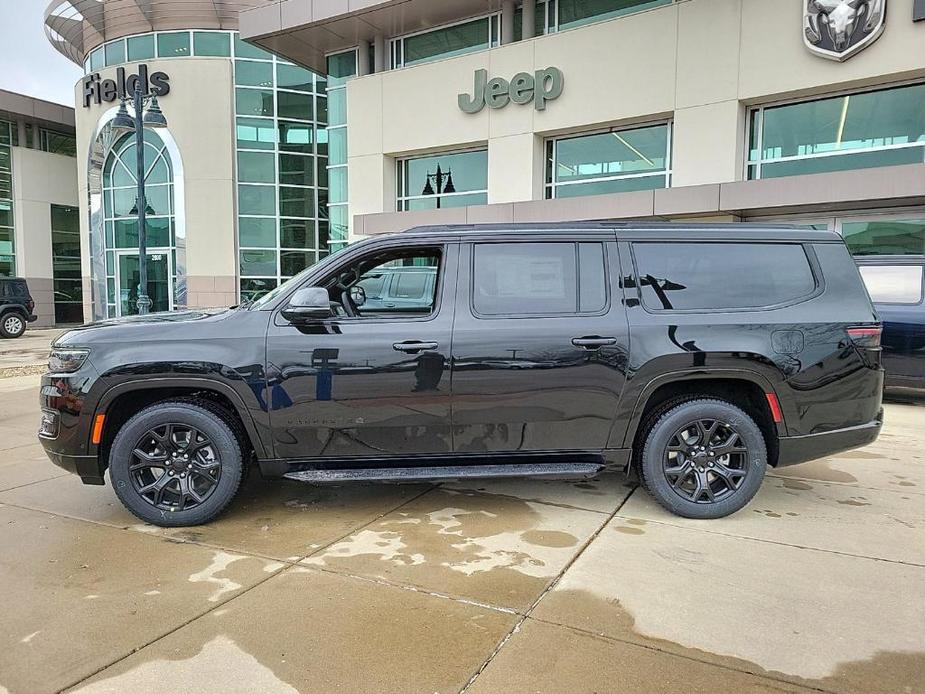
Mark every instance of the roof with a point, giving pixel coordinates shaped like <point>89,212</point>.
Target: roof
<point>668,230</point>
<point>14,106</point>
<point>75,27</point>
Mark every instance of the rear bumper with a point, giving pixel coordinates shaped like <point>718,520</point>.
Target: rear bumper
<point>31,318</point>
<point>800,449</point>
<point>87,466</point>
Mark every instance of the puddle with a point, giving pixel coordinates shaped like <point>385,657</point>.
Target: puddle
<point>821,470</point>
<point>796,484</point>
<point>549,538</point>
<point>629,530</point>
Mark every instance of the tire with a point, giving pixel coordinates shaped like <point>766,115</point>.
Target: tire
<point>153,479</point>
<point>685,478</point>
<point>12,325</point>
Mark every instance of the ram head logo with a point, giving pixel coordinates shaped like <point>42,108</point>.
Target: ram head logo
<point>837,29</point>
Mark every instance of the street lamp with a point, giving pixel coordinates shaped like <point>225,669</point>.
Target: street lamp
<point>153,117</point>
<point>444,183</point>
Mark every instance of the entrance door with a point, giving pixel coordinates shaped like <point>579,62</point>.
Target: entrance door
<point>160,284</point>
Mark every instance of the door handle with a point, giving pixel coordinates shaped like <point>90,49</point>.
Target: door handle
<point>593,342</point>
<point>413,346</point>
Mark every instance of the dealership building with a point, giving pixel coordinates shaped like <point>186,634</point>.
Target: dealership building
<point>296,126</point>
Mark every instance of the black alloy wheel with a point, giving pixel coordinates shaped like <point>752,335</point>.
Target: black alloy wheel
<point>703,458</point>
<point>175,467</point>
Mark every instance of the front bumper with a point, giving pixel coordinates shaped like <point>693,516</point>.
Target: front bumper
<point>87,466</point>
<point>800,449</point>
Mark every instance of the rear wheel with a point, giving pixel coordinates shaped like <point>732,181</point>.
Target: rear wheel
<point>12,325</point>
<point>705,458</point>
<point>176,464</point>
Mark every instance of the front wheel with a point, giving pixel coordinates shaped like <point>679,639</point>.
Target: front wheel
<point>176,464</point>
<point>705,458</point>
<point>12,325</point>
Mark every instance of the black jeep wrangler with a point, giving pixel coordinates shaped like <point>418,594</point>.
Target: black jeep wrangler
<point>695,356</point>
<point>16,307</point>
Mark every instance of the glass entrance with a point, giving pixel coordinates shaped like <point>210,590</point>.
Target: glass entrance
<point>160,287</point>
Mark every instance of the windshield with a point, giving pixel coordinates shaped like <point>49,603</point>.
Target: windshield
<point>291,283</point>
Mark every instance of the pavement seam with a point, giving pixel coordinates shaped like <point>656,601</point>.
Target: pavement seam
<point>616,639</point>
<point>552,584</point>
<point>286,566</point>
<point>29,484</point>
<point>774,542</point>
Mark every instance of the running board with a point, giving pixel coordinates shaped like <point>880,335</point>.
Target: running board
<point>448,472</point>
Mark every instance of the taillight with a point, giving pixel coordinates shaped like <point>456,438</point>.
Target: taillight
<point>30,304</point>
<point>867,337</point>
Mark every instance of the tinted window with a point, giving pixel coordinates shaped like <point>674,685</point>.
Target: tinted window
<point>538,278</point>
<point>893,284</point>
<point>721,275</point>
<point>409,285</point>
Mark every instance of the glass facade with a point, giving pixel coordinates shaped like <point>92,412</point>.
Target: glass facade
<point>120,221</point>
<point>854,131</point>
<point>7,237</point>
<point>610,162</point>
<point>57,143</point>
<point>341,67</point>
<point>282,152</point>
<point>65,253</point>
<point>575,13</point>
<point>454,179</point>
<point>873,234</point>
<point>446,42</point>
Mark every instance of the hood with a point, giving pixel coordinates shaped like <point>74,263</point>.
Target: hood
<point>147,327</point>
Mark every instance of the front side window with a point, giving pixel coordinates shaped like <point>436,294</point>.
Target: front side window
<point>443,180</point>
<point>855,131</point>
<point>893,284</point>
<point>611,162</point>
<point>538,278</point>
<point>711,276</point>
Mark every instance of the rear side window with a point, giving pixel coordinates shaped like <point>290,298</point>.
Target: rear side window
<point>893,284</point>
<point>707,276</point>
<point>539,278</point>
<point>409,285</point>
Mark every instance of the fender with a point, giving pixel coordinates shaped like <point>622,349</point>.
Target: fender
<point>690,375</point>
<point>200,383</point>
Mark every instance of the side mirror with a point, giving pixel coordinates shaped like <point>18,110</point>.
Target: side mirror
<point>306,304</point>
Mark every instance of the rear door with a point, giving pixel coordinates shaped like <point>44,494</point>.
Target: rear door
<point>540,344</point>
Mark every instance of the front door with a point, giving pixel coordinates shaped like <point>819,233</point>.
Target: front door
<point>372,380</point>
<point>160,286</point>
<point>540,345</point>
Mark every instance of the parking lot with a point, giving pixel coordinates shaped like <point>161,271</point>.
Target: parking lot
<point>484,587</point>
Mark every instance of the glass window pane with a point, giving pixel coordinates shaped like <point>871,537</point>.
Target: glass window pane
<point>256,133</point>
<point>296,169</point>
<point>253,102</point>
<point>430,202</point>
<point>297,233</point>
<point>341,67</point>
<point>115,53</point>
<point>173,45</point>
<point>297,106</point>
<point>321,109</point>
<point>337,107</point>
<point>592,278</point>
<point>257,200</point>
<point>610,154</point>
<point>243,49</point>
<point>897,284</point>
<point>885,237</point>
<point>617,185</point>
<point>695,276</point>
<point>252,289</point>
<point>256,263</point>
<point>525,278</point>
<point>843,162</point>
<point>460,172</point>
<point>294,77</point>
<point>250,73</point>
<point>97,59</point>
<point>337,145</point>
<point>296,137</point>
<point>337,184</point>
<point>59,143</point>
<point>210,43</point>
<point>256,167</point>
<point>256,231</point>
<point>446,42</point>
<point>140,47</point>
<point>157,232</point>
<point>296,202</point>
<point>293,262</point>
<point>573,13</point>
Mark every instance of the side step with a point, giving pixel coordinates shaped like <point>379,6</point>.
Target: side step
<point>448,472</point>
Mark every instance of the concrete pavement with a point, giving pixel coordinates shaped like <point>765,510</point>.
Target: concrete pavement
<point>529,586</point>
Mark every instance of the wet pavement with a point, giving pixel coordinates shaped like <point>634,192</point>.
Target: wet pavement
<point>527,586</point>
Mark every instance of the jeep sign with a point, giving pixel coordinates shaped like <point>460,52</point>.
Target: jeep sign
<point>540,87</point>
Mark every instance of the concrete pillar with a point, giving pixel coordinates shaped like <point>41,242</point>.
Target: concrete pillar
<point>362,58</point>
<point>507,21</point>
<point>529,19</point>
<point>21,130</point>
<point>380,55</point>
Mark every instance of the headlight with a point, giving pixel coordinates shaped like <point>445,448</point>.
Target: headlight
<point>66,360</point>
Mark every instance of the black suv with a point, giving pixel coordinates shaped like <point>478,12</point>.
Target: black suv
<point>693,355</point>
<point>16,307</point>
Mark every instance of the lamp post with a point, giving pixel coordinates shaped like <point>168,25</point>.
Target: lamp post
<point>136,121</point>
<point>443,182</point>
